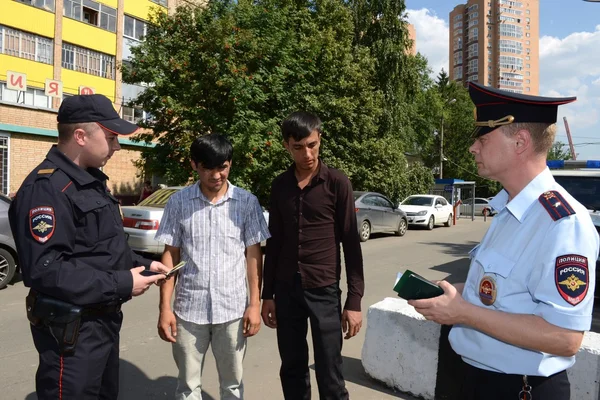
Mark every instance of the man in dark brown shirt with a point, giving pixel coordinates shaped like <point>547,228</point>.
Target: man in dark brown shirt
<point>312,212</point>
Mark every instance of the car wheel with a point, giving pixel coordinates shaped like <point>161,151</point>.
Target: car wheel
<point>365,231</point>
<point>402,227</point>
<point>7,268</point>
<point>431,223</point>
<point>448,223</point>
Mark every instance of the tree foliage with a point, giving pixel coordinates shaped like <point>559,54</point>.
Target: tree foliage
<point>240,67</point>
<point>559,151</point>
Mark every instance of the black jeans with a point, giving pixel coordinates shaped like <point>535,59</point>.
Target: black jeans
<point>294,307</point>
<point>481,384</point>
<point>92,372</point>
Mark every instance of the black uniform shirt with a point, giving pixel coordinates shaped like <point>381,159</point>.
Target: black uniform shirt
<point>69,234</point>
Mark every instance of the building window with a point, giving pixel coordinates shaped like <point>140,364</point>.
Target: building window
<point>527,65</point>
<point>473,22</point>
<point>88,61</point>
<point>458,73</point>
<point>527,81</point>
<point>134,28</point>
<point>458,24</point>
<point>458,17</point>
<point>512,63</point>
<point>21,44</point>
<point>474,33</point>
<point>458,58</point>
<point>92,13</point>
<point>4,143</point>
<point>527,89</point>
<point>511,46</point>
<point>30,97</point>
<point>528,34</point>
<point>473,67</point>
<point>511,30</point>
<point>473,50</point>
<point>511,3</point>
<point>527,73</point>
<point>528,12</point>
<point>47,5</point>
<point>161,2</point>
<point>504,10</point>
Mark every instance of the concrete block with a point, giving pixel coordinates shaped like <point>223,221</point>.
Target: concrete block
<point>585,374</point>
<point>401,348</point>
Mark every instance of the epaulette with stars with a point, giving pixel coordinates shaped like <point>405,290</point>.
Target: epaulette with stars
<point>556,205</point>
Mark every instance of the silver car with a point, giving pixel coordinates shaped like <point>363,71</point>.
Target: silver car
<point>8,252</point>
<point>482,206</point>
<point>376,213</point>
<point>141,221</point>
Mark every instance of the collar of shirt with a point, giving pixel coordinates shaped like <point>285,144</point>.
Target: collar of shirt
<point>321,175</point>
<point>528,196</point>
<point>81,176</point>
<point>231,193</point>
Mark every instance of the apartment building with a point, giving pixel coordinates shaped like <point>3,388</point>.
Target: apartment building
<point>51,49</point>
<point>496,43</point>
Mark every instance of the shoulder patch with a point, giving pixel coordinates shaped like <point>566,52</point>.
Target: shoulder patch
<point>556,205</point>
<point>45,171</point>
<point>42,223</point>
<point>571,277</point>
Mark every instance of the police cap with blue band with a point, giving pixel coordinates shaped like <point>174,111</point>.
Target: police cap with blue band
<point>495,107</point>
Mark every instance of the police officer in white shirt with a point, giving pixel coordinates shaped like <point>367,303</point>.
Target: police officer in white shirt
<point>520,317</point>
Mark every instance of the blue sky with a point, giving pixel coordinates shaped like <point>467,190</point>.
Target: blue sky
<point>569,60</point>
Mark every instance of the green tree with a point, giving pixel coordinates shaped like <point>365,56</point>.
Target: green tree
<point>559,151</point>
<point>240,67</point>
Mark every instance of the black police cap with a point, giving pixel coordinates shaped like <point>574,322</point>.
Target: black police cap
<point>495,107</point>
<point>94,108</point>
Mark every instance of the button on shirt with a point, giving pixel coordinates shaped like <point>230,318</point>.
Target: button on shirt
<point>520,252</point>
<point>211,287</point>
<point>308,226</point>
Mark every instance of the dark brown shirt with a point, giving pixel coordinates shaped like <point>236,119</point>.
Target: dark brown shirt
<point>307,226</point>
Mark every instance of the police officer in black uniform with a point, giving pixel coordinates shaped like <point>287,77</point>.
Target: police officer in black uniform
<point>74,255</point>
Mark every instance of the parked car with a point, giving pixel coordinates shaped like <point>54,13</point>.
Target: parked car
<point>141,221</point>
<point>427,210</point>
<point>376,213</point>
<point>8,250</point>
<point>481,206</point>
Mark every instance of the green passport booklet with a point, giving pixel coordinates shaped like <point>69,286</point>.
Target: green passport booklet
<point>411,286</point>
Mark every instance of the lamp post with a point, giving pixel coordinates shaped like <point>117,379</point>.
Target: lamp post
<point>452,101</point>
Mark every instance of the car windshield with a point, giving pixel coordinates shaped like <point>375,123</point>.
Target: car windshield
<point>158,199</point>
<point>418,201</point>
<point>585,189</point>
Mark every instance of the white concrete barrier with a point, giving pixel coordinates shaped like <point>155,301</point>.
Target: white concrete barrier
<point>401,350</point>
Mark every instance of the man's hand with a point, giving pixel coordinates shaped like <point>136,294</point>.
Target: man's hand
<point>142,283</point>
<point>251,320</point>
<point>351,323</point>
<point>447,309</point>
<point>268,313</point>
<point>167,326</point>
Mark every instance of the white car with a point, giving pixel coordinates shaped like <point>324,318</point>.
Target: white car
<point>427,210</point>
<point>481,206</point>
<point>141,221</point>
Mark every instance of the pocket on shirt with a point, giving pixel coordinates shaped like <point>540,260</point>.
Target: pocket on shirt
<point>493,262</point>
<point>98,218</point>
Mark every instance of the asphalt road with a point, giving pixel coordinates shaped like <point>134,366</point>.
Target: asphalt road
<point>147,367</point>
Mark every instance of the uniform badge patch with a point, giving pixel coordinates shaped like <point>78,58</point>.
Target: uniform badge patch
<point>487,290</point>
<point>41,223</point>
<point>571,278</point>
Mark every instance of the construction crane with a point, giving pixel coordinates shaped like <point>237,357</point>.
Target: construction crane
<point>573,155</point>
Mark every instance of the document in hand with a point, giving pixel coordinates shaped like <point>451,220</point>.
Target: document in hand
<point>411,286</point>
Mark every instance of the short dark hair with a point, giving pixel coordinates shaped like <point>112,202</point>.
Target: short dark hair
<point>211,151</point>
<point>65,131</point>
<point>300,125</point>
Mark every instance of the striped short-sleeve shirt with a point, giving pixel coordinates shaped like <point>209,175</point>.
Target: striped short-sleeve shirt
<point>211,287</point>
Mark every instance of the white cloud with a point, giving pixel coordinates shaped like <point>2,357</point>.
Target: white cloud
<point>570,66</point>
<point>432,38</point>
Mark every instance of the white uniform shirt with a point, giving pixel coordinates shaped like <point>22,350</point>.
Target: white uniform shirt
<point>211,287</point>
<point>537,265</point>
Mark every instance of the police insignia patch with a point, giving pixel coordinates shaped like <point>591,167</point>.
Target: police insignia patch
<point>571,278</point>
<point>41,223</point>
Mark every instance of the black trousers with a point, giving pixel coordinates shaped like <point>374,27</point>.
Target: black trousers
<point>481,384</point>
<point>322,306</point>
<point>92,372</point>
